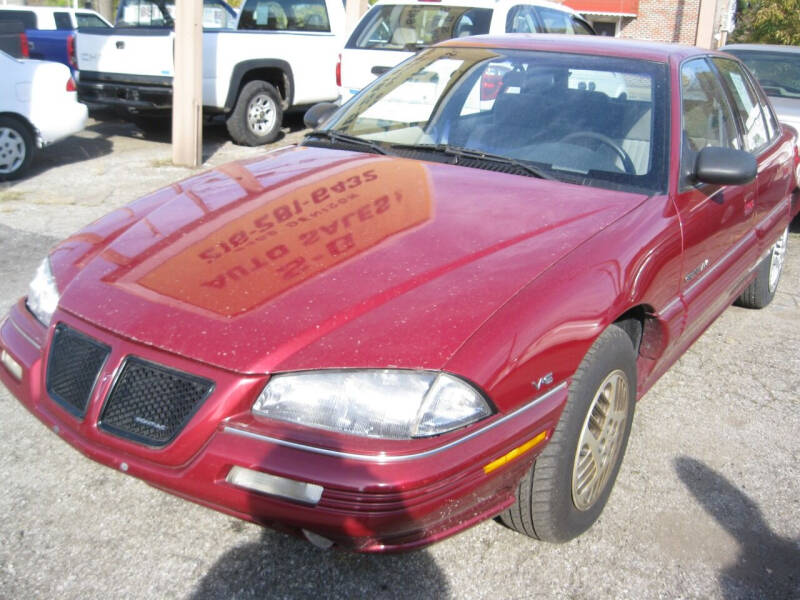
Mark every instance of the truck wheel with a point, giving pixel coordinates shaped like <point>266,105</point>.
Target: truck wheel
<point>256,118</point>
<point>762,290</point>
<point>16,148</point>
<point>565,490</point>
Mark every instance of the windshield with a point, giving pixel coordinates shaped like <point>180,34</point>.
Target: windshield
<point>585,119</point>
<point>410,26</point>
<point>777,72</point>
<point>161,13</point>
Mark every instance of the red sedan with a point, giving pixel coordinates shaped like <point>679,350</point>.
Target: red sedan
<point>441,307</point>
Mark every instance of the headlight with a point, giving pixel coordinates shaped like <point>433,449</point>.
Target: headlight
<point>387,403</point>
<point>43,293</point>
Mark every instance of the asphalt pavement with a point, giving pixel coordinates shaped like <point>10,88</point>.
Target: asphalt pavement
<point>707,504</point>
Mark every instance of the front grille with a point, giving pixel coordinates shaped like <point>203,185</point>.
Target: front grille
<point>74,363</point>
<point>150,404</point>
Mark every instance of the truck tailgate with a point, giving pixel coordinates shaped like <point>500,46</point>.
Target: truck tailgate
<point>147,52</point>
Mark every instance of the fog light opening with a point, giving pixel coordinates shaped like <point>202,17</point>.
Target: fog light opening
<point>307,493</point>
<point>318,540</point>
<point>11,365</point>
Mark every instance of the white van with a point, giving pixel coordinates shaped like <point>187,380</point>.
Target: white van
<point>393,30</point>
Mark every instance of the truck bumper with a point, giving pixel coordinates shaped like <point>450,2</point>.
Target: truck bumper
<point>145,93</point>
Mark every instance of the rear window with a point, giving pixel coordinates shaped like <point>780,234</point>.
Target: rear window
<point>777,72</point>
<point>412,26</point>
<point>89,20</point>
<point>62,21</point>
<point>285,15</point>
<point>26,17</point>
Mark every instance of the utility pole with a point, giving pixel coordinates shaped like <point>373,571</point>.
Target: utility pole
<point>706,19</point>
<point>106,8</point>
<point>187,91</point>
<point>353,10</point>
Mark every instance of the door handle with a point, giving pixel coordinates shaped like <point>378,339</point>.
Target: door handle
<point>379,70</point>
<point>120,45</point>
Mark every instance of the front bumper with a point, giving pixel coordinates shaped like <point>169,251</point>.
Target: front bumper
<point>377,496</point>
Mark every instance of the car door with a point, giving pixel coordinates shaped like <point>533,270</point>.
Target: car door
<point>719,245</point>
<point>761,135</point>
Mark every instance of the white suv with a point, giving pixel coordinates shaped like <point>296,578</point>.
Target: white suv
<point>393,30</point>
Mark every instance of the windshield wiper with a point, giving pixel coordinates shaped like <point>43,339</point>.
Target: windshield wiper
<point>459,152</point>
<point>343,138</point>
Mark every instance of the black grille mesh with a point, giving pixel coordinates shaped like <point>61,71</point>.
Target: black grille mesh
<point>72,368</point>
<point>150,403</point>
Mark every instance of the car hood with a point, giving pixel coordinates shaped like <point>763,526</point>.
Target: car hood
<point>310,258</point>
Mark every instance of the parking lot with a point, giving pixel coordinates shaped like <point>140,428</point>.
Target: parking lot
<point>706,504</point>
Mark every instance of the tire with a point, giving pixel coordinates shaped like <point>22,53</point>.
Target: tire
<point>257,116</point>
<point>555,500</point>
<point>17,147</point>
<point>762,289</point>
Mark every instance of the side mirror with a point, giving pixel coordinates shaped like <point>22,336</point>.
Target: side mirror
<point>318,114</point>
<point>725,166</point>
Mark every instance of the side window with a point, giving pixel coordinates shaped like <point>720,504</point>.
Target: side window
<point>521,20</point>
<point>746,103</point>
<point>555,21</point>
<point>773,127</point>
<point>580,27</point>
<point>62,20</point>
<point>707,119</point>
<point>470,22</point>
<point>286,15</point>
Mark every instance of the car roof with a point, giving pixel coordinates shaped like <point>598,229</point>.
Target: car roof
<point>762,48</point>
<point>583,44</point>
<point>483,4</point>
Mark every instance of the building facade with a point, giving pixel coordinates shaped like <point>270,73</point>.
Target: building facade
<point>703,23</point>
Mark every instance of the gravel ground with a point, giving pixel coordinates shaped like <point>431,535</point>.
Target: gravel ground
<point>706,504</point>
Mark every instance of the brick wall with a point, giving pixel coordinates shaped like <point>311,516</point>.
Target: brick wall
<point>664,21</point>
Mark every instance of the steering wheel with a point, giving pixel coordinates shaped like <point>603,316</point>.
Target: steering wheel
<point>627,163</point>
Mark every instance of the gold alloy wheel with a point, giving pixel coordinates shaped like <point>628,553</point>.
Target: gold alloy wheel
<point>601,438</point>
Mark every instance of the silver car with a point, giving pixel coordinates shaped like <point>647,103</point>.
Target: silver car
<point>778,71</point>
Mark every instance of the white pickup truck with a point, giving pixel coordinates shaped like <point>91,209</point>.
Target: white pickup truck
<point>277,55</point>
